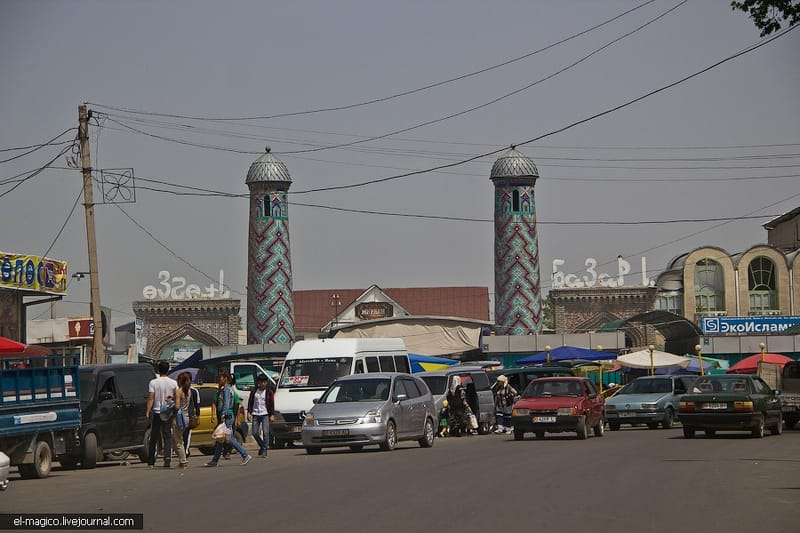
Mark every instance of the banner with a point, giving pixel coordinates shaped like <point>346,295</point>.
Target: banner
<point>32,273</point>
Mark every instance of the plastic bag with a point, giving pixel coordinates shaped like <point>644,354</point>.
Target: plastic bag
<point>221,432</point>
<point>473,421</point>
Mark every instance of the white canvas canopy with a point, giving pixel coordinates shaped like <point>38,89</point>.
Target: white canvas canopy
<point>641,359</point>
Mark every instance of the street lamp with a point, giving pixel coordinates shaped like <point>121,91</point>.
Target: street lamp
<point>763,347</point>
<point>699,353</point>
<point>547,348</point>
<point>652,366</point>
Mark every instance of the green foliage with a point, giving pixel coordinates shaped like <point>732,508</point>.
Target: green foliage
<point>548,313</point>
<point>768,15</point>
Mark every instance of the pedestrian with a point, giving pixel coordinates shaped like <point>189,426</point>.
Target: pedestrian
<point>181,419</point>
<point>194,413</point>
<point>504,398</point>
<point>159,391</point>
<point>225,414</point>
<point>261,410</point>
<point>457,407</point>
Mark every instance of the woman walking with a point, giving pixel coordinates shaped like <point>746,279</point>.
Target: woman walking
<point>226,415</point>
<point>181,418</point>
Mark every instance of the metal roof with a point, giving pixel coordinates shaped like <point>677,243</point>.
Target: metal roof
<point>268,168</point>
<point>513,164</point>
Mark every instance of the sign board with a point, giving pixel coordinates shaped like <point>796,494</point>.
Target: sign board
<point>373,310</point>
<point>746,325</point>
<point>175,288</point>
<point>29,272</point>
<point>80,328</point>
<point>566,280</point>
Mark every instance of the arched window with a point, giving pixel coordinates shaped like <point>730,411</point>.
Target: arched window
<point>515,201</point>
<point>709,286</point>
<point>762,286</point>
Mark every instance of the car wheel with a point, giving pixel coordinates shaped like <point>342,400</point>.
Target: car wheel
<point>710,433</point>
<point>581,429</point>
<point>539,435</point>
<point>89,459</point>
<point>758,431</point>
<point>600,428</point>
<point>118,456</point>
<point>391,437</point>
<point>669,419</point>
<point>688,432</point>
<point>614,426</point>
<point>777,429</point>
<point>145,447</point>
<point>427,438</point>
<point>791,422</point>
<point>519,434</point>
<point>356,447</point>
<point>42,462</point>
<point>206,450</point>
<point>652,425</point>
<point>313,450</point>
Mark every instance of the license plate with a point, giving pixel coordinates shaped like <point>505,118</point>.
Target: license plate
<point>715,405</point>
<point>626,414</point>
<point>544,419</point>
<point>335,432</point>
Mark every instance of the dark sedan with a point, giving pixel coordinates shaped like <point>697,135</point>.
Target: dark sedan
<point>731,403</point>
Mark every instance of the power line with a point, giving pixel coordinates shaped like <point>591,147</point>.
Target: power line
<point>385,98</point>
<point>64,225</point>
<point>35,147</point>
<point>36,172</point>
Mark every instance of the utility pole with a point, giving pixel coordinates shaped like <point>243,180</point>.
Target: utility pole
<point>98,352</point>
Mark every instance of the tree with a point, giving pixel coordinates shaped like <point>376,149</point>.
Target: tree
<point>768,15</point>
<point>548,313</point>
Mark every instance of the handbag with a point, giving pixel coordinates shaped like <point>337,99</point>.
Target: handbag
<point>193,422</point>
<point>167,410</point>
<point>221,433</point>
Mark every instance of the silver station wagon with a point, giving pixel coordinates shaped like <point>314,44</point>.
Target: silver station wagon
<point>374,408</point>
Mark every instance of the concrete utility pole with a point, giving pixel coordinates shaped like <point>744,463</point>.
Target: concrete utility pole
<point>98,352</point>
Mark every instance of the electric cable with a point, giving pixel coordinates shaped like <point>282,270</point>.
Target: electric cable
<point>34,148</point>
<point>36,172</point>
<point>64,225</point>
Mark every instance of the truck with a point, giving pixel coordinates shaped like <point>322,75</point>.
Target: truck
<point>40,414</point>
<point>786,380</point>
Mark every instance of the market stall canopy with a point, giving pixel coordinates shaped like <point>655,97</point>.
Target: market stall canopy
<point>424,363</point>
<point>749,365</point>
<point>8,345</point>
<point>693,367</point>
<point>641,359</point>
<point>13,348</point>
<point>561,353</point>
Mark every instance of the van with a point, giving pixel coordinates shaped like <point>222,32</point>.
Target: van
<point>476,387</point>
<point>312,365</point>
<point>113,406</point>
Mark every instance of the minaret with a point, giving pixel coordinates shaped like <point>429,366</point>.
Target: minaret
<point>517,290</point>
<point>270,310</point>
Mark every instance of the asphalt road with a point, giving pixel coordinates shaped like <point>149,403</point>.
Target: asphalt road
<point>630,480</point>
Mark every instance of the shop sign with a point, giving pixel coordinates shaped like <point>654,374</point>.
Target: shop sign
<point>744,325</point>
<point>29,272</point>
<point>373,310</point>
<point>175,288</point>
<point>565,280</point>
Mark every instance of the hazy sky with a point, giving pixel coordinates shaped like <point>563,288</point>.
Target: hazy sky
<point>690,152</point>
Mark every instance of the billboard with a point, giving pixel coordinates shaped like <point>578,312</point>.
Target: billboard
<point>747,325</point>
<point>32,273</point>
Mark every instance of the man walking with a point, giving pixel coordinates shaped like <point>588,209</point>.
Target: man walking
<point>261,411</point>
<point>159,390</point>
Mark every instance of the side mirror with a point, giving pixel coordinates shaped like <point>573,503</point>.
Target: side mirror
<point>315,400</point>
<point>401,397</point>
<point>104,396</point>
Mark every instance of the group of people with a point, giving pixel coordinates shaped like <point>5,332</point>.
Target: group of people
<point>458,418</point>
<point>173,409</point>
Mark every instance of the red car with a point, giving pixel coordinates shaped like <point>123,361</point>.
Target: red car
<point>559,404</point>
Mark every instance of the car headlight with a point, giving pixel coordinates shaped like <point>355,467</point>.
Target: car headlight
<point>520,412</point>
<point>372,417</point>
<point>650,406</point>
<point>566,411</point>
<point>309,420</point>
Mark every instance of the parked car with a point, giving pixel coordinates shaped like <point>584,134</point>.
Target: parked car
<point>113,406</point>
<point>519,377</point>
<point>201,435</point>
<point>731,403</point>
<point>558,404</point>
<point>375,408</point>
<point>650,400</point>
<point>5,464</point>
<point>477,389</point>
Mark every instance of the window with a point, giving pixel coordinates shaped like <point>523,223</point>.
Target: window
<point>387,363</point>
<point>109,386</point>
<point>400,388</point>
<point>762,285</point>
<point>207,396</point>
<point>411,388</point>
<point>671,302</point>
<point>709,286</point>
<point>359,367</point>
<point>372,364</point>
<point>515,201</point>
<point>481,381</point>
<point>245,376</point>
<point>401,362</point>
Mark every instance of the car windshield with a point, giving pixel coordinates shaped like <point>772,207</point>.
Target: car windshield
<point>545,389</point>
<point>712,384</point>
<point>362,390</point>
<point>437,384</point>
<point>648,386</point>
<point>314,372</point>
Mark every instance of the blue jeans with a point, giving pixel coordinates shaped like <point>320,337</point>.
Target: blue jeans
<point>261,432</point>
<point>503,418</point>
<point>160,431</point>
<point>234,442</point>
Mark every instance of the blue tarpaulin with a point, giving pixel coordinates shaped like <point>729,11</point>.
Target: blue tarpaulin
<point>425,363</point>
<point>561,353</point>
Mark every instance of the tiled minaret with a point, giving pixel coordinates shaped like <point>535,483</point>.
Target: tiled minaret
<point>517,290</point>
<point>270,310</point>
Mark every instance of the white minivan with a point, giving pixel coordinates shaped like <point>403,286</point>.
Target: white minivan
<point>312,365</point>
